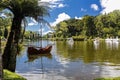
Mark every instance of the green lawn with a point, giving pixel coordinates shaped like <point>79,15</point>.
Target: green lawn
<point>12,76</point>
<point>116,78</point>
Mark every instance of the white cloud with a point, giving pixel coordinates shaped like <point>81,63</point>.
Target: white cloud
<point>78,17</point>
<point>61,17</point>
<point>94,6</point>
<point>109,5</point>
<point>61,5</point>
<point>51,1</point>
<point>83,10</point>
<point>44,32</point>
<point>54,3</point>
<point>49,31</point>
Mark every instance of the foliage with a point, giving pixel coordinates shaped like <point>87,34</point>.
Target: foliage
<point>20,47</point>
<point>79,38</point>
<point>107,25</point>
<point>11,76</point>
<point>20,9</point>
<point>4,27</point>
<point>31,35</point>
<point>24,8</point>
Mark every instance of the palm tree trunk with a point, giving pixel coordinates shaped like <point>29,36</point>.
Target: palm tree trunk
<point>10,51</point>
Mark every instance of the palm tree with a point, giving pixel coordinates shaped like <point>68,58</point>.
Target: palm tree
<point>20,10</point>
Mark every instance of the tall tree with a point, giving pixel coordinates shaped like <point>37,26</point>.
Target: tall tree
<point>20,10</point>
<point>89,25</point>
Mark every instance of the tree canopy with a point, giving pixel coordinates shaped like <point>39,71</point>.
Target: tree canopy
<point>103,25</point>
<point>20,9</point>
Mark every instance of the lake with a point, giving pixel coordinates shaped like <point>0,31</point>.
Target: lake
<point>82,60</point>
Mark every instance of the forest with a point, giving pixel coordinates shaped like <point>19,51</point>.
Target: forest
<point>5,30</point>
<point>89,27</point>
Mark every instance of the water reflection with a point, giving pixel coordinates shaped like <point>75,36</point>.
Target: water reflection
<point>31,58</point>
<point>112,44</point>
<point>88,53</point>
<point>81,62</point>
<point>70,42</point>
<point>96,44</point>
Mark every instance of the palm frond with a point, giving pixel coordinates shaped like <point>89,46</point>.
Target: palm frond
<point>43,21</point>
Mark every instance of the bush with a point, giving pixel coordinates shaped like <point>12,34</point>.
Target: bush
<point>79,38</point>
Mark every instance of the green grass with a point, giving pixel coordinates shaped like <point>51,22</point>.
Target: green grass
<point>116,78</point>
<point>12,76</point>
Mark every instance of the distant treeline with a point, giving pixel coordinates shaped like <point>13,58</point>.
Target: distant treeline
<point>103,25</point>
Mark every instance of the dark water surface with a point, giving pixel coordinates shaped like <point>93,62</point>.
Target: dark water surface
<point>78,61</point>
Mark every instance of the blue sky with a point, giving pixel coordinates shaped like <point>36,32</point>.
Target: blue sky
<point>77,8</point>
<point>66,9</point>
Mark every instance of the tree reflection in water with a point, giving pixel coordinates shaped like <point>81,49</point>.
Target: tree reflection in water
<point>88,52</point>
<point>81,62</point>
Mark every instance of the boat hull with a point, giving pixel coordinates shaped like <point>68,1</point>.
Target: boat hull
<point>33,50</point>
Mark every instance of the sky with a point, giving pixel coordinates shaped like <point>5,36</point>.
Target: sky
<point>67,9</point>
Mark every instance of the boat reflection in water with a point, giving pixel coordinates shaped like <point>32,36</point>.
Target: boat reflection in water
<point>32,57</point>
<point>81,62</point>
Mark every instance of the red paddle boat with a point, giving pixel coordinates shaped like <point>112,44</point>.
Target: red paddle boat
<point>33,50</point>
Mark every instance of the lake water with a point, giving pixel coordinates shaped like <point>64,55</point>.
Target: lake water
<point>78,61</point>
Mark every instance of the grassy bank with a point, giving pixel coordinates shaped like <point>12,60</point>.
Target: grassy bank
<point>12,76</point>
<point>116,78</point>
